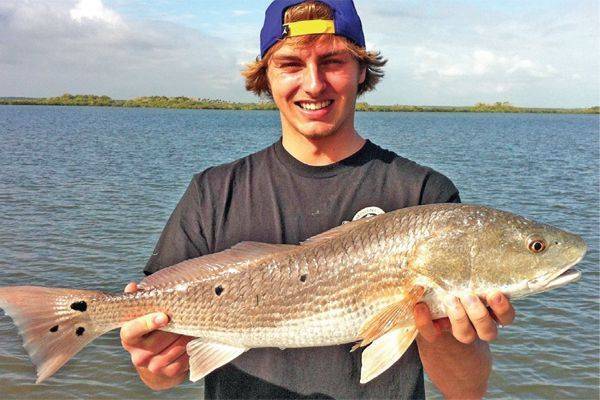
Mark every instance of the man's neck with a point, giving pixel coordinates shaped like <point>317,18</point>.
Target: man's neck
<point>323,151</point>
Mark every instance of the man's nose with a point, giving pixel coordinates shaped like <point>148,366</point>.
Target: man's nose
<point>313,81</point>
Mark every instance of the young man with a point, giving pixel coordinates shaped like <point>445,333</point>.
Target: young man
<point>321,173</point>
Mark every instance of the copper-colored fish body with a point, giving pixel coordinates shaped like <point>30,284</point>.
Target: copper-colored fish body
<point>355,283</point>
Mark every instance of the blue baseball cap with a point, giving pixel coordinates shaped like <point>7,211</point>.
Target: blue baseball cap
<point>346,22</point>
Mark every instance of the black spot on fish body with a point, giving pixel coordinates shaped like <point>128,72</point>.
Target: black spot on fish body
<point>79,306</point>
<point>218,290</point>
<point>303,277</point>
<point>79,331</point>
<point>54,328</point>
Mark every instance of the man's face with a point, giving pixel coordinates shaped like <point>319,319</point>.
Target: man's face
<point>315,87</point>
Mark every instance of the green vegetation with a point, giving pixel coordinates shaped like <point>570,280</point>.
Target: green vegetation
<point>208,104</point>
<point>498,107</point>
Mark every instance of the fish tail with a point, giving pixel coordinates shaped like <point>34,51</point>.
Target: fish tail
<point>54,323</point>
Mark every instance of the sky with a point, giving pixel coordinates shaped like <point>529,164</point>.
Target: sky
<point>440,52</point>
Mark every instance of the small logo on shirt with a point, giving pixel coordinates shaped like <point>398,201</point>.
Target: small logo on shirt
<point>366,213</point>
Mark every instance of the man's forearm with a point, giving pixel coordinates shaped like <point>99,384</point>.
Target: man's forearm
<point>458,370</point>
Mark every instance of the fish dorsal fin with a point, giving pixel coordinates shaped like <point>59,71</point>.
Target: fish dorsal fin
<point>385,351</point>
<point>338,230</point>
<point>232,260</point>
<point>205,357</point>
<point>393,316</point>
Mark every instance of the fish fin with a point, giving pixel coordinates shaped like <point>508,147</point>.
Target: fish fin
<point>53,323</point>
<point>393,316</point>
<point>205,357</point>
<point>338,230</point>
<point>385,351</point>
<point>235,259</point>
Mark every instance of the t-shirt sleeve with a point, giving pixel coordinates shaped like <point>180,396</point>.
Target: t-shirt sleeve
<point>182,237</point>
<point>437,188</point>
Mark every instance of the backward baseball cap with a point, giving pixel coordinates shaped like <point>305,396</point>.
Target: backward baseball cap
<point>346,23</point>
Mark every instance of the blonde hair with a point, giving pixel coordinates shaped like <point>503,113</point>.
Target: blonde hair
<point>255,72</point>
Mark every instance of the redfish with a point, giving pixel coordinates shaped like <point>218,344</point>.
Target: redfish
<point>355,283</point>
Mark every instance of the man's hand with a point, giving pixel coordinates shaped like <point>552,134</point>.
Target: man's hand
<point>468,318</point>
<point>454,350</point>
<point>159,357</point>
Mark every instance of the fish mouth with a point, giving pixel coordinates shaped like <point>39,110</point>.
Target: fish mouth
<point>568,276</point>
<point>558,279</point>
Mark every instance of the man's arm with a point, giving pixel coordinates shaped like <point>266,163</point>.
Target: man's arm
<point>454,350</point>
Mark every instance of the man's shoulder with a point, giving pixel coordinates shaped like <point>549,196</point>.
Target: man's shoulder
<point>222,173</point>
<point>426,184</point>
<point>404,166</point>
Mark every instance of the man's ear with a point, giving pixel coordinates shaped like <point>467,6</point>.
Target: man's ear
<point>363,75</point>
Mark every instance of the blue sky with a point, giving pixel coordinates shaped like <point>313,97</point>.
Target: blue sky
<point>531,53</point>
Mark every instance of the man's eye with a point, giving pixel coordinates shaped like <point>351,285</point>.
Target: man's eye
<point>333,62</point>
<point>289,65</point>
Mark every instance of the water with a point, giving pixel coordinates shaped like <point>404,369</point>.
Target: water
<point>85,192</point>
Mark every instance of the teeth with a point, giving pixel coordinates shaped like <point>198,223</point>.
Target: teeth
<point>315,106</point>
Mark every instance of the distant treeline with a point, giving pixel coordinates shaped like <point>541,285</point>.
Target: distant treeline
<point>210,104</point>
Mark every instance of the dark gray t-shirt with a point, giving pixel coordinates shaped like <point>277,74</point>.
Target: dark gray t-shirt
<point>271,197</point>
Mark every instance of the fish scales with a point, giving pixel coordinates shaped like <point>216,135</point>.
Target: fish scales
<point>329,306</point>
<point>282,297</point>
<point>357,282</point>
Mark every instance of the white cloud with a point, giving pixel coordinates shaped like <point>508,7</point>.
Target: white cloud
<point>66,47</point>
<point>449,63</point>
<point>239,13</point>
<point>448,52</point>
<point>502,88</point>
<point>94,10</point>
<point>483,60</point>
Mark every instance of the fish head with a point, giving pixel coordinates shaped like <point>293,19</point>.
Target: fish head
<point>520,257</point>
<point>482,250</point>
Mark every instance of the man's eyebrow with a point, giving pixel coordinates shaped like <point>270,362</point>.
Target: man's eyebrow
<point>292,57</point>
<point>285,57</point>
<point>334,54</point>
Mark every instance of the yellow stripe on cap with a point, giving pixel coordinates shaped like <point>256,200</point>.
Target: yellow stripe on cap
<point>309,27</point>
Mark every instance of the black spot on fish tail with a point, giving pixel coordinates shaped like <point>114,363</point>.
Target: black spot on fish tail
<point>218,290</point>
<point>79,331</point>
<point>303,277</point>
<point>54,328</point>
<point>79,306</point>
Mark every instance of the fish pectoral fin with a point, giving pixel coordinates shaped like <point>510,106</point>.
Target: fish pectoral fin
<point>385,351</point>
<point>396,315</point>
<point>205,357</point>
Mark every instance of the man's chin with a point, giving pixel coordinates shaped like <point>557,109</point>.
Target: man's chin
<point>318,135</point>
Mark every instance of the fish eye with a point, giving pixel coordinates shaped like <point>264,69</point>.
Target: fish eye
<point>537,245</point>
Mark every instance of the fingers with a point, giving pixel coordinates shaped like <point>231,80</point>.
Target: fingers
<point>131,287</point>
<point>173,354</point>
<point>480,318</point>
<point>158,344</point>
<point>424,324</point>
<point>462,329</point>
<point>443,324</point>
<point>180,365</point>
<point>468,318</point>
<point>503,310</point>
<point>153,343</point>
<point>429,330</point>
<point>133,332</point>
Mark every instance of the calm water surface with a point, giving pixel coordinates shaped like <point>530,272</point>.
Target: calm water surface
<point>85,192</point>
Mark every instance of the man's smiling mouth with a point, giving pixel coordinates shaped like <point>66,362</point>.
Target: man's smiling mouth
<point>314,105</point>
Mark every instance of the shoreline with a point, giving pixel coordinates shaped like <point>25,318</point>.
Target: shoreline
<point>211,104</point>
